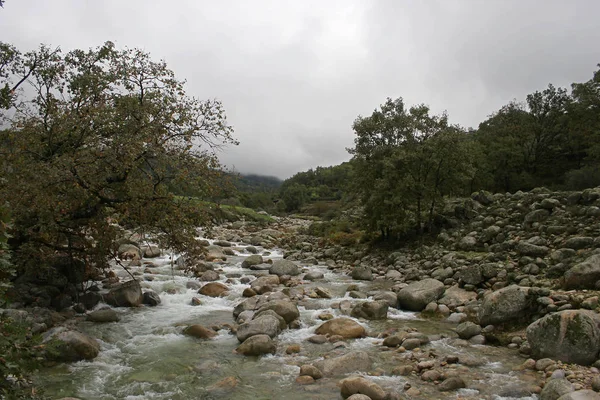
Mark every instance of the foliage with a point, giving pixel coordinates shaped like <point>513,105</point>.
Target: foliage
<point>6,267</point>
<point>19,352</point>
<point>293,196</point>
<point>405,161</point>
<point>320,184</point>
<point>104,137</point>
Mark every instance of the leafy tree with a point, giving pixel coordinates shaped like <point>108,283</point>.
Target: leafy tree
<point>294,196</point>
<point>405,161</point>
<point>103,137</point>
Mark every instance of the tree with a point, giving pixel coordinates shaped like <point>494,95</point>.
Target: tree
<point>405,161</point>
<point>293,196</point>
<point>103,137</point>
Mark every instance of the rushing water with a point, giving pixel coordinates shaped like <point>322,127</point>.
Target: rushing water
<point>145,355</point>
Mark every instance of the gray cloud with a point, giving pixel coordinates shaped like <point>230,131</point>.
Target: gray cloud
<point>294,75</point>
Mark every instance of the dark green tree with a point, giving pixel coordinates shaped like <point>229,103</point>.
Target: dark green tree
<point>405,161</point>
<point>104,136</point>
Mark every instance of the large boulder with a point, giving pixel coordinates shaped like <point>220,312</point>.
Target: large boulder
<point>254,259</point>
<point>507,304</point>
<point>257,345</point>
<point>417,295</point>
<point>288,310</point>
<point>362,273</point>
<point>584,275</point>
<point>585,394</point>
<point>284,267</point>
<point>214,289</point>
<point>69,346</point>
<point>555,388</point>
<point>571,336</point>
<point>345,327</point>
<point>264,325</point>
<point>361,385</point>
<point>127,294</point>
<point>371,310</point>
<point>350,362</point>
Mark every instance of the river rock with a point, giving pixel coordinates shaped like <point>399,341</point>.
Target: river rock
<point>344,327</point>
<point>151,251</point>
<point>452,383</point>
<point>127,294</point>
<point>284,267</point>
<point>288,310</point>
<point>555,388</point>
<point>507,304</point>
<point>314,276</point>
<point>69,346</point>
<point>129,252</point>
<point>417,295</point>
<point>257,345</point>
<point>358,396</point>
<point>362,273</point>
<point>103,315</point>
<point>151,298</point>
<point>264,325</point>
<point>209,276</point>
<point>456,296</point>
<point>571,336</point>
<point>371,310</point>
<point>359,385</point>
<point>282,323</point>
<point>581,395</point>
<point>528,249</point>
<point>200,332</point>
<point>471,275</point>
<point>390,297</point>
<point>350,362</point>
<point>584,275</point>
<point>266,280</point>
<point>467,330</point>
<point>254,259</point>
<point>311,370</point>
<point>214,252</point>
<point>214,289</point>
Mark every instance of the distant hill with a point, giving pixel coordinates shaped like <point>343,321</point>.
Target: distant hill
<point>256,183</point>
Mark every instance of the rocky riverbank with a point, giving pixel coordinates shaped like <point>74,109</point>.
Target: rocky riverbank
<point>503,302</point>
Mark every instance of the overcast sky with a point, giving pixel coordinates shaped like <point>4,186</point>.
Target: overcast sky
<point>293,75</point>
